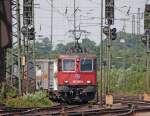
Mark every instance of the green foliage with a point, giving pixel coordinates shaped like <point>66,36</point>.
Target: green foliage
<point>42,49</point>
<point>38,99</point>
<point>10,92</point>
<point>60,48</point>
<point>6,91</point>
<point>128,81</point>
<point>89,45</point>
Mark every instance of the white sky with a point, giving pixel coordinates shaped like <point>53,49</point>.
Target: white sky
<point>88,17</point>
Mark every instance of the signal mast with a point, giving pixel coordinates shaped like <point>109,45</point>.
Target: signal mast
<point>146,41</point>
<point>111,35</point>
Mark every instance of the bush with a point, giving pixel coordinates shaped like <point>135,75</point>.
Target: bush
<point>130,81</point>
<point>39,99</point>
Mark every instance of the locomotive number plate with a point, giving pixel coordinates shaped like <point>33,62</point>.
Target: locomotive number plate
<point>77,76</point>
<point>77,81</point>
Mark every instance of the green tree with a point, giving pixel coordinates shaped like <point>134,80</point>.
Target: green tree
<point>89,45</point>
<point>43,48</point>
<point>60,48</point>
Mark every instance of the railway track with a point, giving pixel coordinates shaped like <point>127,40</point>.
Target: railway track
<point>128,107</point>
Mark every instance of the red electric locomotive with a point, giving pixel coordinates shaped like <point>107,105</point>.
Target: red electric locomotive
<point>76,78</point>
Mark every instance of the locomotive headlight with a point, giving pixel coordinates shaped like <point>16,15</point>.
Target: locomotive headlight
<point>66,82</point>
<point>88,82</point>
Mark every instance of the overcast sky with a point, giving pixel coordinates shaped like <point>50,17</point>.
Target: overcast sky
<point>88,16</point>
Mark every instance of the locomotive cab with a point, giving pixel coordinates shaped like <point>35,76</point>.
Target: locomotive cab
<point>77,77</point>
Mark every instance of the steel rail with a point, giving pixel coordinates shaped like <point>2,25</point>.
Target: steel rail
<point>84,110</point>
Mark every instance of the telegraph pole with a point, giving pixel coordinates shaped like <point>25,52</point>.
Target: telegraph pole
<point>101,56</point>
<point>138,31</point>
<point>51,22</point>
<point>138,22</point>
<point>136,39</point>
<point>133,25</point>
<point>51,40</point>
<point>34,36</point>
<point>74,18</point>
<point>74,33</point>
<point>124,37</point>
<point>19,46</point>
<point>147,61</point>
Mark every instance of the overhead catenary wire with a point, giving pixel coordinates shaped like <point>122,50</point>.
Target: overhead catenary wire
<point>67,18</point>
<point>120,10</point>
<point>59,12</point>
<point>70,21</point>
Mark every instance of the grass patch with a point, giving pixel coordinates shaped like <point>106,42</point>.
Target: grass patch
<point>38,99</point>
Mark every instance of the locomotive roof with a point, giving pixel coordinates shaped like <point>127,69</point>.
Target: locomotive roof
<point>77,55</point>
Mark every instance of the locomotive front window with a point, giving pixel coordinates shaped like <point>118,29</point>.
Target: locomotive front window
<point>86,65</point>
<point>68,65</point>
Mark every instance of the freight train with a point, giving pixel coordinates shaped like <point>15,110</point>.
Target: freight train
<point>73,78</point>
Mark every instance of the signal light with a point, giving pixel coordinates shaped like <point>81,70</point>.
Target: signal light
<point>147,17</point>
<point>28,32</point>
<point>31,33</point>
<point>113,34</point>
<point>145,39</point>
<point>106,30</point>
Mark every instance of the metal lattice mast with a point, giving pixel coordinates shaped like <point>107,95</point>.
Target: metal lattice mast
<point>146,41</point>
<point>28,31</point>
<point>14,70</point>
<point>109,20</point>
<point>147,34</point>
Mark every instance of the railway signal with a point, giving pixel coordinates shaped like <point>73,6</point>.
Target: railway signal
<point>113,34</point>
<point>147,21</point>
<point>146,41</point>
<point>109,12</point>
<point>28,32</point>
<point>31,33</point>
<point>147,17</point>
<point>106,30</point>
